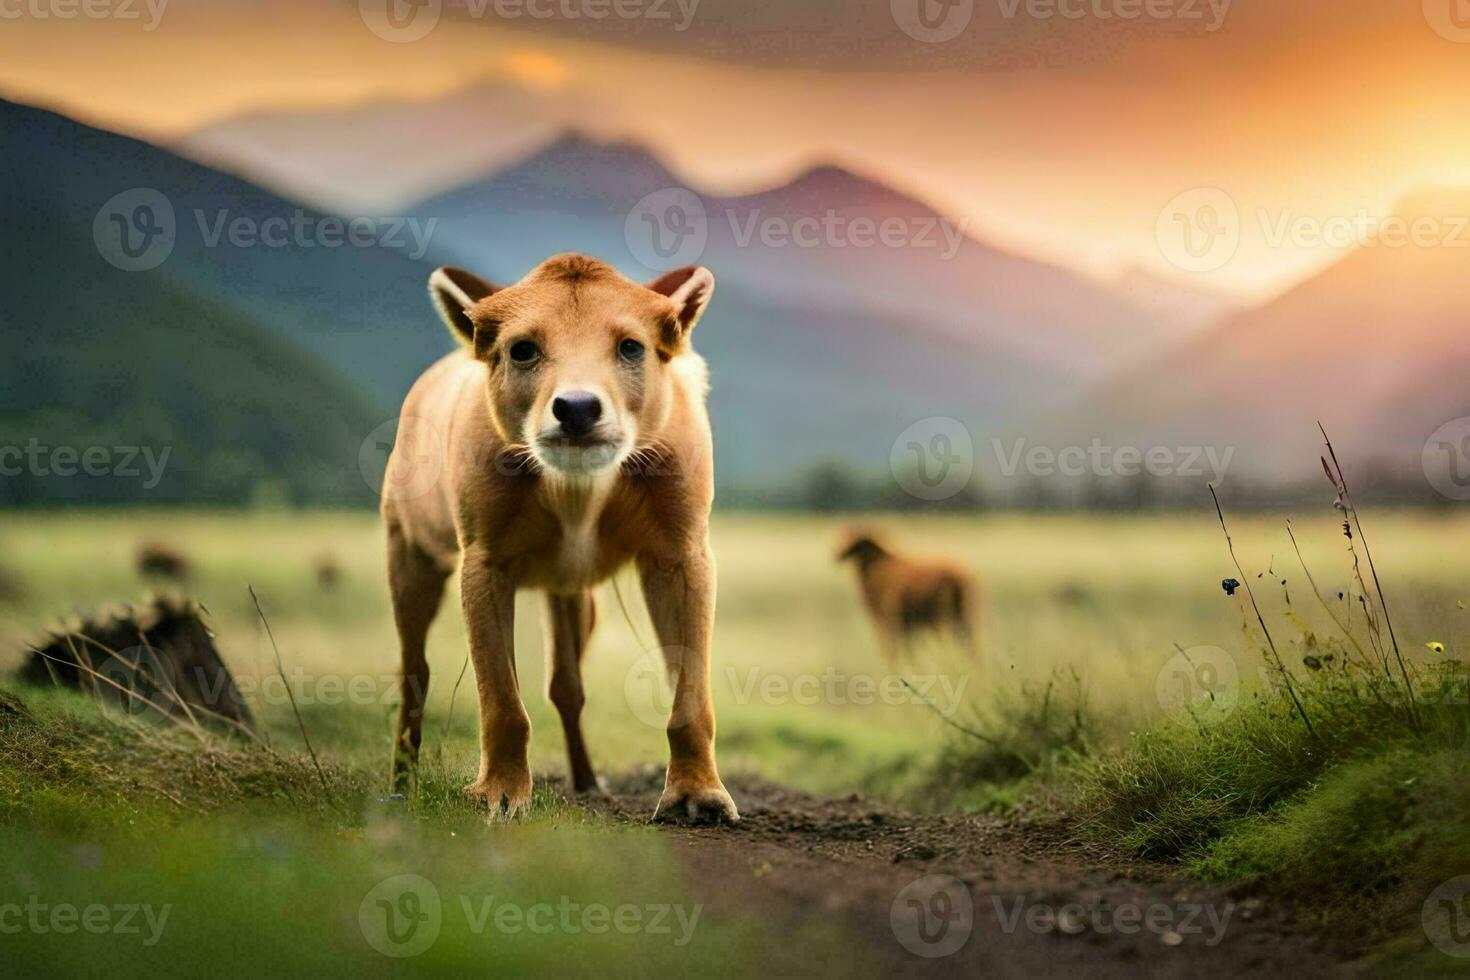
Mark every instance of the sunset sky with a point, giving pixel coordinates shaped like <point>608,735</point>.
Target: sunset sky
<point>1060,138</point>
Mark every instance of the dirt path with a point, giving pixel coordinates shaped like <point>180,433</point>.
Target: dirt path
<point>973,896</point>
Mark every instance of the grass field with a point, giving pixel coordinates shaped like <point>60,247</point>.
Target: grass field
<point>802,694</point>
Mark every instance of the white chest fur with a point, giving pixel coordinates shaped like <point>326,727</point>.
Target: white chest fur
<point>577,503</point>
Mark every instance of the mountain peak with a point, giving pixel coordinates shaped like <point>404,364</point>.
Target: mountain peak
<point>577,153</point>
<point>831,186</point>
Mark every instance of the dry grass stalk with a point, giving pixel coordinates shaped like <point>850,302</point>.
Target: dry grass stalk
<point>290,695</point>
<point>1270,642</point>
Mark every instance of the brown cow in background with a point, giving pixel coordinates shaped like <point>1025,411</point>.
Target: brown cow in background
<point>908,596</point>
<point>158,560</point>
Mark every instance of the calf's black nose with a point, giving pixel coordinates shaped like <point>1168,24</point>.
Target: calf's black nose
<point>577,411</point>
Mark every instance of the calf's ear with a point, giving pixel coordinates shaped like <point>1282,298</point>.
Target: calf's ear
<point>454,292</point>
<point>689,289</point>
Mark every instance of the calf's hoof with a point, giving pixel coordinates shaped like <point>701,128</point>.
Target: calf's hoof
<point>696,805</point>
<point>504,797</point>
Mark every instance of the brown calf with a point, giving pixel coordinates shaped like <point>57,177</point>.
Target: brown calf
<point>565,439</point>
<point>907,596</point>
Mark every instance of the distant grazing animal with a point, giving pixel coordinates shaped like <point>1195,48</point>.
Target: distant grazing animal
<point>907,596</point>
<point>328,572</point>
<point>566,438</point>
<point>162,561</point>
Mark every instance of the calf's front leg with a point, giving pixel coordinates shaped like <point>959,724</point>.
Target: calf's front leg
<point>680,595</point>
<point>488,597</point>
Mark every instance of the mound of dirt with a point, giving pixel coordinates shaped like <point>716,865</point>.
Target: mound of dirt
<point>158,661</point>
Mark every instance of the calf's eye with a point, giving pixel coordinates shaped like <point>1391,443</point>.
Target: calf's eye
<point>630,350</point>
<point>524,351</point>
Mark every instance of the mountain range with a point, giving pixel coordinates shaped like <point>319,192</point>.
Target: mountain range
<point>812,242</point>
<point>370,158</point>
<point>507,194</point>
<point>826,339</point>
<point>253,367</point>
<point>1376,347</point>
